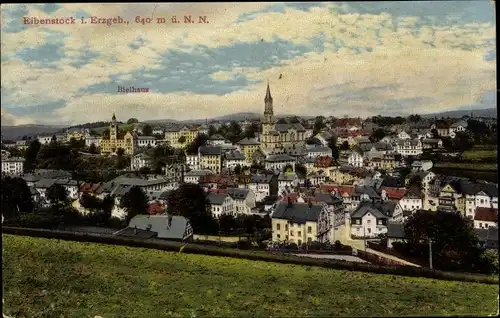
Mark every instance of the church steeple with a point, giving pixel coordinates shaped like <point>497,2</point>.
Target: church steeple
<point>268,98</point>
<point>268,110</point>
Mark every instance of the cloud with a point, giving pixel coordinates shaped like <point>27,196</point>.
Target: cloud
<point>324,58</point>
<point>10,120</point>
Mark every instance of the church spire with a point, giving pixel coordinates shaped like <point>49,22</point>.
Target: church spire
<point>114,117</point>
<point>268,94</point>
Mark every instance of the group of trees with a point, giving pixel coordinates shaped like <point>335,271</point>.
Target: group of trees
<point>453,239</point>
<point>233,131</point>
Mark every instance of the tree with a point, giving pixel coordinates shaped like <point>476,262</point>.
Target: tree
<point>105,133</point>
<point>190,201</point>
<point>134,202</point>
<point>147,130</point>
<point>344,146</point>
<point>332,144</point>
<point>198,141</point>
<point>92,148</point>
<point>227,223</point>
<point>30,157</point>
<point>414,118</point>
<point>16,197</point>
<point>251,130</point>
<point>237,169</point>
<point>58,156</point>
<point>132,121</point>
<point>145,170</point>
<point>90,202</point>
<point>319,124</point>
<point>435,134</point>
<point>377,135</point>
<point>181,140</point>
<point>462,141</point>
<point>57,195</point>
<point>211,130</point>
<point>234,132</point>
<point>313,141</point>
<point>301,170</point>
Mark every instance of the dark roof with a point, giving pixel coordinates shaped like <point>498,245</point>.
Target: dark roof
<point>370,191</point>
<point>237,193</point>
<point>281,157</point>
<point>261,178</point>
<point>248,142</point>
<point>297,212</point>
<point>395,230</point>
<point>160,225</point>
<point>379,210</point>
<point>216,198</point>
<point>136,232</point>
<point>486,214</point>
<point>210,151</point>
<point>217,137</point>
<point>327,198</point>
<point>286,127</point>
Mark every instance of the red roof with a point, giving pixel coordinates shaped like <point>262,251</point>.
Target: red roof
<point>344,122</point>
<point>89,187</point>
<point>486,214</point>
<point>339,189</point>
<point>156,208</point>
<point>323,162</point>
<point>395,193</point>
<point>292,196</point>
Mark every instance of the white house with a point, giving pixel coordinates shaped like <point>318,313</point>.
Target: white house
<point>193,161</point>
<point>44,140</point>
<point>485,218</point>
<point>140,161</point>
<point>424,165</point>
<point>355,158</point>
<point>216,140</point>
<point>243,200</point>
<point>404,135</point>
<point>89,140</point>
<point>146,142</point>
<point>409,147</point>
<point>368,221</point>
<point>317,178</point>
<point>13,166</point>
<point>318,151</point>
<point>287,181</point>
<point>193,176</point>
<point>412,200</point>
<point>233,159</point>
<point>221,203</point>
<point>279,162</point>
<point>158,131</point>
<point>459,126</point>
<point>261,185</point>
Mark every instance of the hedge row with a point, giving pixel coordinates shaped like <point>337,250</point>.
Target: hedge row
<point>250,255</point>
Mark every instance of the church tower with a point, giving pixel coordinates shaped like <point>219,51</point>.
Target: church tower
<point>113,128</point>
<point>268,110</point>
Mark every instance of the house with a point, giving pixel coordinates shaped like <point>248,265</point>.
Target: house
<point>118,140</point>
<point>459,126</point>
<point>392,194</point>
<point>93,140</point>
<point>355,157</point>
<point>317,178</point>
<point>139,161</point>
<point>216,140</point>
<point>146,142</point>
<point>287,182</point>
<point>404,135</point>
<point>233,159</point>
<point>395,233</point>
<point>243,200</point>
<point>193,161</point>
<point>263,186</point>
<point>296,222</point>
<point>158,131</point>
<point>168,227</point>
<point>442,128</point>
<point>329,219</point>
<point>179,137</point>
<point>248,146</point>
<point>412,200</point>
<point>318,151</point>
<point>220,203</point>
<point>368,221</point>
<point>279,162</point>
<point>430,143</point>
<point>210,158</point>
<point>485,218</point>
<point>13,166</point>
<point>409,147</point>
<point>424,165</point>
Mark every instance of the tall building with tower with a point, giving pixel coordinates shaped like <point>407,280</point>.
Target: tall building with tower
<point>279,134</point>
<point>116,140</point>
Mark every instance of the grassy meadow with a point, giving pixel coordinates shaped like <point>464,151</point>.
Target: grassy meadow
<point>53,278</point>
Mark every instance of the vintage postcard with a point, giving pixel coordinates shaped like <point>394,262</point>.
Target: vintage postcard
<point>310,148</point>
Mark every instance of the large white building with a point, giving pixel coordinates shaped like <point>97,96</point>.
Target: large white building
<point>409,147</point>
<point>140,161</point>
<point>13,166</point>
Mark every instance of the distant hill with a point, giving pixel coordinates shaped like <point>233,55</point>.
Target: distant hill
<point>237,117</point>
<point>489,112</point>
<point>17,132</point>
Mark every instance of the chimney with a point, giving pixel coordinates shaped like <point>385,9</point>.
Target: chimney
<point>290,204</point>
<point>170,217</point>
<point>135,229</point>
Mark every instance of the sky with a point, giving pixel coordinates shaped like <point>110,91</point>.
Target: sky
<point>339,59</point>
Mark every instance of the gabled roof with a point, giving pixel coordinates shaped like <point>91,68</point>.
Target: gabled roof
<point>365,208</point>
<point>298,212</point>
<point>237,193</point>
<point>217,198</point>
<point>165,228</point>
<point>394,193</point>
<point>261,178</point>
<point>210,151</point>
<point>248,142</point>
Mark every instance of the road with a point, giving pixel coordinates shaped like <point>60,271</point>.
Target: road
<point>342,234</point>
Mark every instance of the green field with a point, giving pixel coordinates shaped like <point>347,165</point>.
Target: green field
<point>468,165</point>
<point>484,155</point>
<point>52,278</point>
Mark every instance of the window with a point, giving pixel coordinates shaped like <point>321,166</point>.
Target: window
<point>309,239</point>
<point>379,222</point>
<point>299,233</point>
<point>368,221</point>
<point>286,227</point>
<point>277,236</point>
<point>309,230</point>
<point>291,233</point>
<point>278,227</point>
<point>358,221</point>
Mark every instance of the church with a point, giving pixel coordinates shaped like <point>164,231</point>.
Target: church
<point>110,144</point>
<point>281,135</point>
